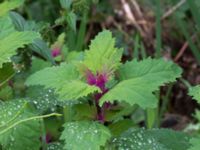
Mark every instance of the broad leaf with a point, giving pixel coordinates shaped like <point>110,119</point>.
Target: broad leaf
<point>140,79</point>
<point>13,41</point>
<point>9,5</point>
<point>154,71</point>
<point>13,131</point>
<point>155,139</point>
<point>195,145</point>
<point>64,79</point>
<point>85,135</point>
<point>195,93</point>
<point>102,55</point>
<point>39,46</point>
<point>6,26</point>
<point>42,99</point>
<point>18,21</point>
<point>120,126</point>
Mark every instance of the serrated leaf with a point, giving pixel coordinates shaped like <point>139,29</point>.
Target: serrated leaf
<point>11,137</point>
<point>64,79</point>
<point>102,55</point>
<point>39,46</point>
<point>195,93</point>
<point>13,41</point>
<point>156,70</point>
<point>156,139</point>
<point>85,135</point>
<point>140,79</point>
<point>195,145</point>
<point>9,5</point>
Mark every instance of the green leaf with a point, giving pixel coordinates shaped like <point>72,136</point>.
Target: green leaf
<point>102,55</point>
<point>84,112</point>
<point>9,5</point>
<point>155,139</point>
<point>11,137</point>
<point>6,26</point>
<point>18,21</point>
<point>71,20</point>
<point>195,143</point>
<point>64,79</point>
<point>195,93</point>
<point>13,41</point>
<point>85,135</point>
<point>43,99</point>
<point>39,46</point>
<point>6,93</point>
<point>66,4</point>
<point>55,146</point>
<point>120,126</point>
<point>83,5</point>
<point>38,64</point>
<point>156,70</point>
<point>140,79</point>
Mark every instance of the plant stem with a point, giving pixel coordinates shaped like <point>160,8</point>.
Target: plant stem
<point>152,115</point>
<point>165,101</point>
<point>28,119</point>
<point>67,111</point>
<point>44,144</point>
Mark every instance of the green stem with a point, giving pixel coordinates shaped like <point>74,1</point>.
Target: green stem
<point>152,115</point>
<point>28,119</point>
<point>44,144</point>
<point>5,81</point>
<point>165,101</point>
<point>81,33</point>
<point>67,111</point>
<point>186,83</point>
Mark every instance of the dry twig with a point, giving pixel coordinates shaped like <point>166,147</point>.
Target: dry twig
<point>173,9</point>
<point>183,48</point>
<point>131,17</point>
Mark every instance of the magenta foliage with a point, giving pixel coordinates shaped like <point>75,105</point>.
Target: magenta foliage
<point>55,52</point>
<point>99,80</point>
<point>48,138</point>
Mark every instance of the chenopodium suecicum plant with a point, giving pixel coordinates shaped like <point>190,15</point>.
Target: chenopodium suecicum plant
<point>101,80</point>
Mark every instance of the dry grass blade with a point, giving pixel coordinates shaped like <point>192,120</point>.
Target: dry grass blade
<point>173,9</point>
